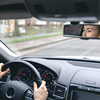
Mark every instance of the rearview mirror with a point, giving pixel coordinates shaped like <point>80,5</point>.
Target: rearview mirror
<point>84,30</point>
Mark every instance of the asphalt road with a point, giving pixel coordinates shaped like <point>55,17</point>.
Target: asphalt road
<point>72,47</point>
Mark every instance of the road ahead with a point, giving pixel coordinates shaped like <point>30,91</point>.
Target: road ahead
<point>72,47</point>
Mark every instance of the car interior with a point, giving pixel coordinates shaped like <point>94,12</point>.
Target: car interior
<point>66,78</point>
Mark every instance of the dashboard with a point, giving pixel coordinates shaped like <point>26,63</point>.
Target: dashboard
<point>66,79</point>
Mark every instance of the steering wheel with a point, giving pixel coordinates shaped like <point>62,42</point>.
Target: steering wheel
<point>16,90</point>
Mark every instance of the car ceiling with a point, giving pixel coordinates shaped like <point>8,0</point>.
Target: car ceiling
<point>53,10</point>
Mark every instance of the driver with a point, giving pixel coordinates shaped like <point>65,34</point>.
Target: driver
<point>91,31</point>
<point>39,93</point>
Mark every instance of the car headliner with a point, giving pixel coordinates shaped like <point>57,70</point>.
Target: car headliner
<point>53,10</point>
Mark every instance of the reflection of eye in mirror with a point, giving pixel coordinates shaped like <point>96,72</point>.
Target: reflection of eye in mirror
<point>82,30</point>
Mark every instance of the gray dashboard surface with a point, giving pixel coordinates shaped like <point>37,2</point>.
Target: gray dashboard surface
<point>77,72</point>
<point>87,78</point>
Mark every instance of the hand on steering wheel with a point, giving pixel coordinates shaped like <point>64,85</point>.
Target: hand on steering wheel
<point>4,72</point>
<point>39,93</point>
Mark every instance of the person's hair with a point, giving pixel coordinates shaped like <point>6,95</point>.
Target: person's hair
<point>99,28</point>
<point>81,30</point>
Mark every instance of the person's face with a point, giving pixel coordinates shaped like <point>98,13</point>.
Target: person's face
<point>91,31</point>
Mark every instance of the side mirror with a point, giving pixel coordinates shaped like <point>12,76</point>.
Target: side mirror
<point>83,31</point>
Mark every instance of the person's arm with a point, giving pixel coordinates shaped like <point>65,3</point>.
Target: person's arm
<point>4,72</point>
<point>41,92</point>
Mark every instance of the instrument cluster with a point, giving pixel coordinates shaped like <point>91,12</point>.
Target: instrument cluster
<point>24,74</point>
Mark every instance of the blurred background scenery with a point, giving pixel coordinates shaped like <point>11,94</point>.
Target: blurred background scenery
<point>21,34</point>
<point>35,37</point>
<point>32,26</point>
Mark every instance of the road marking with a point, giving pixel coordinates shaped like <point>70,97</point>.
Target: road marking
<point>87,52</point>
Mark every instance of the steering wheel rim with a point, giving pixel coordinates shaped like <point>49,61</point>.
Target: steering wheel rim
<point>13,83</point>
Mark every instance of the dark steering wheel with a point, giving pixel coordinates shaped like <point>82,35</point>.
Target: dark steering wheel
<point>16,90</point>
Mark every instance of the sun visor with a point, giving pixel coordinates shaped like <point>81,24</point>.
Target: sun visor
<point>64,10</point>
<point>13,10</point>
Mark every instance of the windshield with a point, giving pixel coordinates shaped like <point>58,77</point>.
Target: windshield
<point>34,37</point>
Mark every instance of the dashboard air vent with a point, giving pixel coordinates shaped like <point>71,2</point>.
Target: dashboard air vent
<point>59,91</point>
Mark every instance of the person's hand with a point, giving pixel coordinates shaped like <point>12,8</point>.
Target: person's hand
<point>4,72</point>
<point>41,92</point>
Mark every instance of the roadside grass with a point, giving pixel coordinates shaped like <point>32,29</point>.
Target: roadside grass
<point>33,38</point>
<point>50,29</point>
